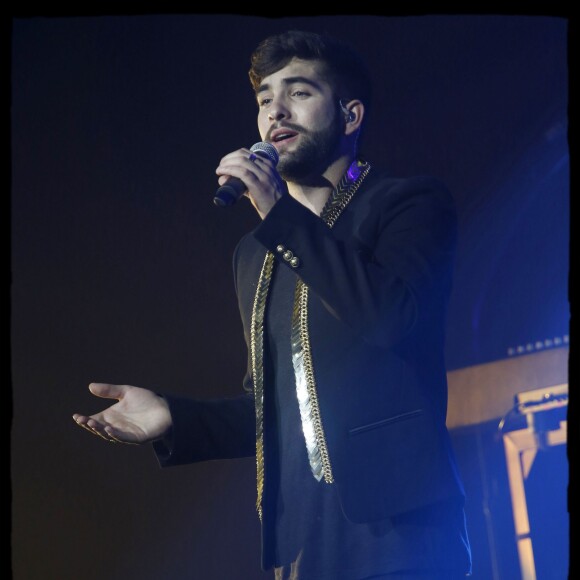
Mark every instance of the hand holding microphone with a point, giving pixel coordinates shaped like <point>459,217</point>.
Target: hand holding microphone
<point>234,188</point>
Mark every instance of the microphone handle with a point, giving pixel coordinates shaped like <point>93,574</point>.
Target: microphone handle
<point>230,192</point>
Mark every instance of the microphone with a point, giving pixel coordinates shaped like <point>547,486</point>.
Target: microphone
<point>234,188</point>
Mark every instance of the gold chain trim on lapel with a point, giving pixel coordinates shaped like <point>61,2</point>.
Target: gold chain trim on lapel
<point>306,388</point>
<point>301,351</point>
<point>342,194</point>
<point>306,393</point>
<point>257,357</point>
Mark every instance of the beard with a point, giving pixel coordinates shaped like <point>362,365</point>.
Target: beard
<point>317,150</point>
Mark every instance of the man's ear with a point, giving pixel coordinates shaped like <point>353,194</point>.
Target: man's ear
<point>353,115</point>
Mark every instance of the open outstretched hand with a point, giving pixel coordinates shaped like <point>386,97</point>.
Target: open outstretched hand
<point>139,415</point>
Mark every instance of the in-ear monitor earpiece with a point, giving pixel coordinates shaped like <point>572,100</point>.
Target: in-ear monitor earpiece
<point>348,115</point>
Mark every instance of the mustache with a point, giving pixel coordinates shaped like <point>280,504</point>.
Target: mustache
<point>290,126</point>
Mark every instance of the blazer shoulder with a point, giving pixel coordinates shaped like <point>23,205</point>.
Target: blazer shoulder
<point>385,196</point>
<point>381,182</point>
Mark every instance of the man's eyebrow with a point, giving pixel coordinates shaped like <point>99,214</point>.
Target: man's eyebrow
<point>290,81</point>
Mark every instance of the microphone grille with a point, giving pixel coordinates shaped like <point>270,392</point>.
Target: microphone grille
<point>267,149</point>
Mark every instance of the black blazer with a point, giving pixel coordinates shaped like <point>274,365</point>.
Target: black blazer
<point>379,283</point>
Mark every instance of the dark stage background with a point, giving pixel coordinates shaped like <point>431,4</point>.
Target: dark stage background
<point>121,264</point>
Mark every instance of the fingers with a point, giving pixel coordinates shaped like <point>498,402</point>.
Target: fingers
<point>102,430</point>
<point>244,165</point>
<point>95,428</point>
<point>89,424</point>
<point>112,438</point>
<point>241,156</point>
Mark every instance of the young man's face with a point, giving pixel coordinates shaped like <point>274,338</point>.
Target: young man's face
<point>299,116</point>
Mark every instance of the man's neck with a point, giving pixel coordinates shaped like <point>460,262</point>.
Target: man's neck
<point>315,197</point>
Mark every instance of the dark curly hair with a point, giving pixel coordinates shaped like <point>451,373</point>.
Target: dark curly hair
<point>347,72</point>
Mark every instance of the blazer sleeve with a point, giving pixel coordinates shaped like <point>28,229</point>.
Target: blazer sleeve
<point>381,288</point>
<point>208,429</point>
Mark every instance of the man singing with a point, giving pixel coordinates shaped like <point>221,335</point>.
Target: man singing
<point>343,290</point>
